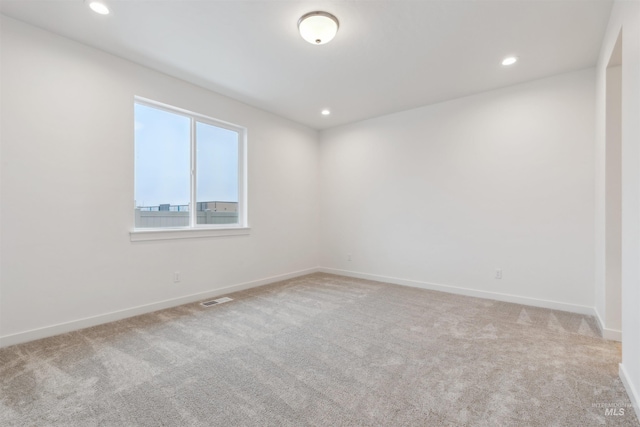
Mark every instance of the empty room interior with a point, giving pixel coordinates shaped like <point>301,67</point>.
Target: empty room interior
<point>290,213</point>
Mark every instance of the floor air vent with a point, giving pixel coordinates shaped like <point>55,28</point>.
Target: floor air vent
<point>215,301</point>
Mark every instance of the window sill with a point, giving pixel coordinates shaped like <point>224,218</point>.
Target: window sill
<point>142,235</point>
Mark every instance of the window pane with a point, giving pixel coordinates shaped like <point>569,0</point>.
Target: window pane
<point>216,175</point>
<point>162,168</point>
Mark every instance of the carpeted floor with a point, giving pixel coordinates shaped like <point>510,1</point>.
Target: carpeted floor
<point>322,350</point>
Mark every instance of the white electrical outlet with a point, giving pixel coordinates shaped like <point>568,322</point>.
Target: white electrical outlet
<point>348,257</point>
<point>498,273</point>
<point>176,277</point>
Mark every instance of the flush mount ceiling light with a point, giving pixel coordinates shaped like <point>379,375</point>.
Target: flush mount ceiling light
<point>325,112</point>
<point>318,27</point>
<point>510,60</point>
<point>98,7</point>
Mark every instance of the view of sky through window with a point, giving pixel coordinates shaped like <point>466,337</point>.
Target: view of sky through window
<point>162,160</point>
<point>217,164</point>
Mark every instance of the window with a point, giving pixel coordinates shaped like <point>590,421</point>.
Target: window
<point>189,170</point>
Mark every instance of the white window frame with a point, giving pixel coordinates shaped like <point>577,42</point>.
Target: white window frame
<point>194,229</point>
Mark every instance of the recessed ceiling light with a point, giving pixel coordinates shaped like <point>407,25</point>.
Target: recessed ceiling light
<point>318,27</point>
<point>98,7</point>
<point>510,60</point>
<point>325,112</point>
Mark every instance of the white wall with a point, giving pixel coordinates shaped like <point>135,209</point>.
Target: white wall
<point>612,323</point>
<point>441,196</point>
<point>608,196</point>
<point>625,17</point>
<point>67,192</point>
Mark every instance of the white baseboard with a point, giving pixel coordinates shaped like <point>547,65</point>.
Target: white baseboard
<point>631,390</point>
<point>608,334</point>
<point>554,305</point>
<point>87,322</point>
<point>62,328</point>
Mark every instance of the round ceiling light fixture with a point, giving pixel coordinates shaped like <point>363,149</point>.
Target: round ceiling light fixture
<point>325,112</point>
<point>318,27</point>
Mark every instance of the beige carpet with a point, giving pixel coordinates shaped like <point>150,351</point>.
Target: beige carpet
<point>322,350</point>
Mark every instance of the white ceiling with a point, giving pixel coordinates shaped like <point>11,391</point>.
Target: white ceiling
<point>388,56</point>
